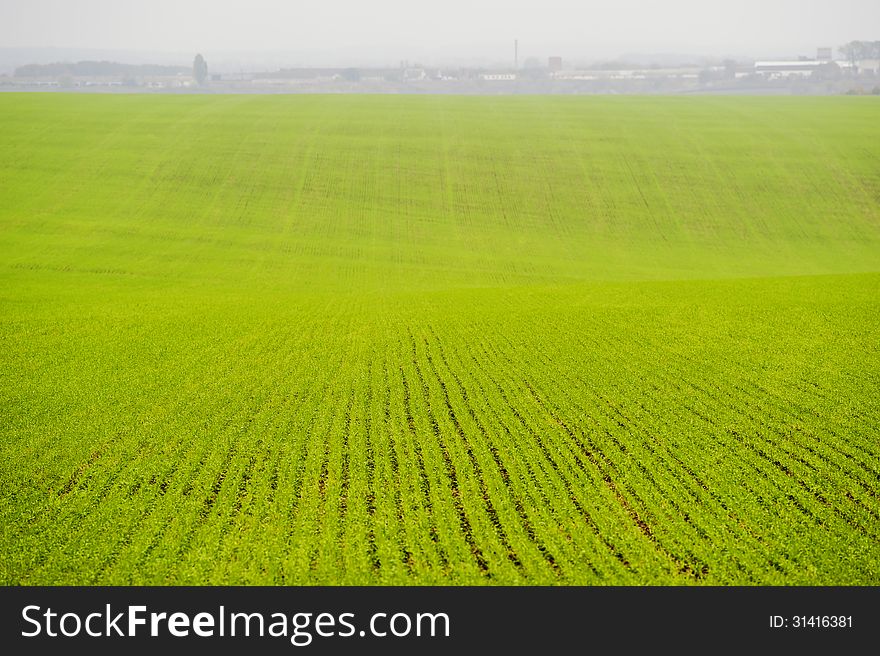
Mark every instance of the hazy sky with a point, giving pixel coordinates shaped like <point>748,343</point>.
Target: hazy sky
<point>447,28</point>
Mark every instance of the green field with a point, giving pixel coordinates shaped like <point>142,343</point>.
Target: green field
<point>439,340</point>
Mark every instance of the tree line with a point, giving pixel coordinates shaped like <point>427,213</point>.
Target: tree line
<point>857,50</point>
<point>94,69</point>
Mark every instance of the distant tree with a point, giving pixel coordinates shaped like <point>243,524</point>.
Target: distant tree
<point>200,69</point>
<point>729,68</point>
<point>849,51</point>
<point>858,50</point>
<point>827,71</point>
<point>351,75</point>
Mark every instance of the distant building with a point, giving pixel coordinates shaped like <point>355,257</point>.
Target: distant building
<point>869,66</point>
<point>414,74</point>
<point>498,76</point>
<point>776,69</point>
<point>824,54</point>
<point>554,63</point>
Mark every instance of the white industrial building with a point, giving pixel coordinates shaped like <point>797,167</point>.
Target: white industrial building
<point>774,69</point>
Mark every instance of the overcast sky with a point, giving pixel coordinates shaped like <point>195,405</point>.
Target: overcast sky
<point>451,29</point>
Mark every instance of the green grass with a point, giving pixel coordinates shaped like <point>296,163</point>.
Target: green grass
<point>439,340</point>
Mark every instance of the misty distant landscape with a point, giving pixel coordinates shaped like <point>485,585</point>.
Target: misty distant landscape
<point>852,68</point>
